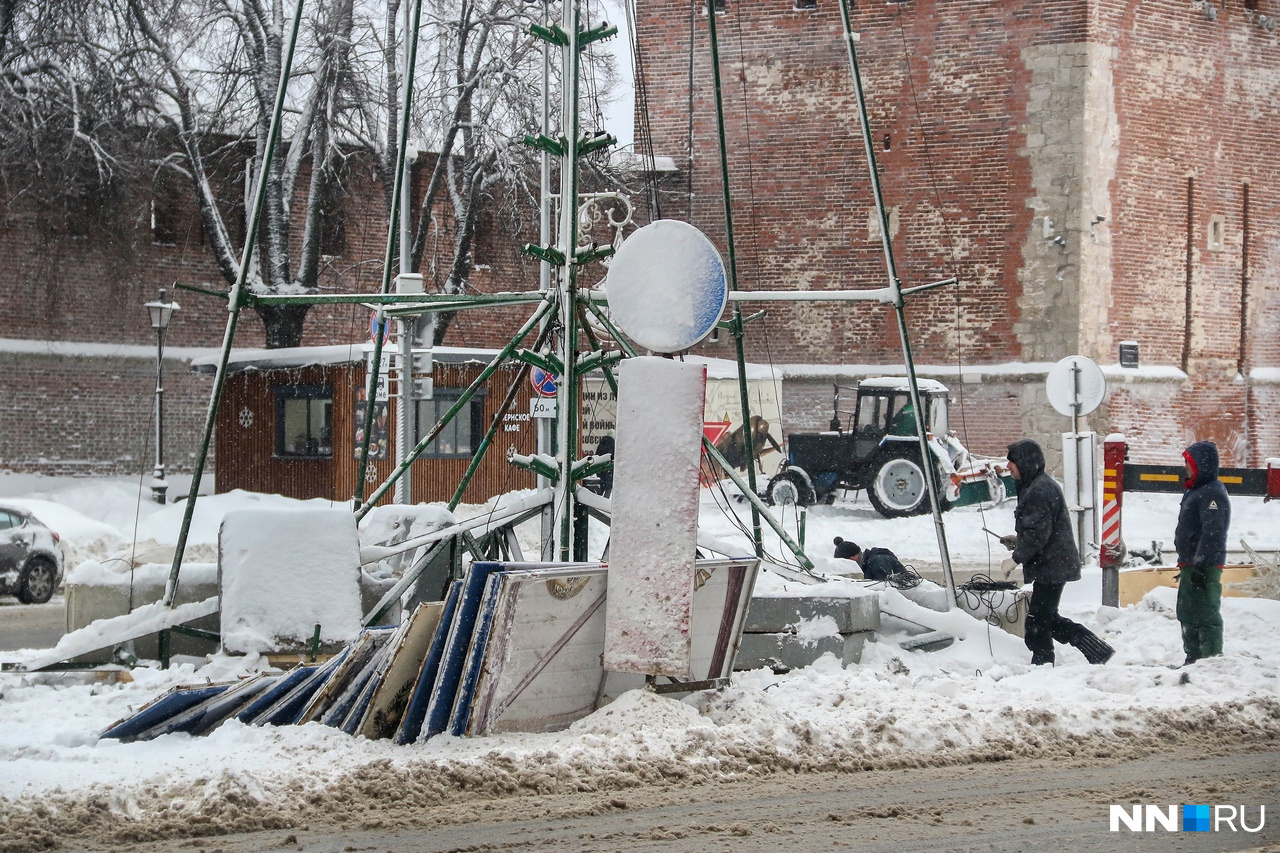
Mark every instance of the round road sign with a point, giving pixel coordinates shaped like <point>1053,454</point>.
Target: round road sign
<point>373,328</point>
<point>1076,385</point>
<point>544,383</point>
<point>667,286</point>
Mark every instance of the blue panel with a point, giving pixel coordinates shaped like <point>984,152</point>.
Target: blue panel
<point>222,708</point>
<point>455,651</point>
<point>475,657</point>
<point>275,692</point>
<point>286,710</point>
<point>361,671</point>
<point>416,711</point>
<point>165,707</point>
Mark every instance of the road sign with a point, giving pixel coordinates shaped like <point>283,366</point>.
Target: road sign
<point>542,407</point>
<point>373,328</point>
<point>543,382</point>
<point>1076,385</point>
<point>715,430</point>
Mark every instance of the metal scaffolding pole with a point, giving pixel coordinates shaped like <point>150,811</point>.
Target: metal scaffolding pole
<point>895,288</point>
<point>235,301</point>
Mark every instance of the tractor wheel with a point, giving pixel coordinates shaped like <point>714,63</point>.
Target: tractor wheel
<point>899,488</point>
<point>790,487</point>
<point>38,581</point>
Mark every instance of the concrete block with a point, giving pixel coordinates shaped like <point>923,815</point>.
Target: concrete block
<point>88,603</point>
<point>781,615</point>
<point>789,651</point>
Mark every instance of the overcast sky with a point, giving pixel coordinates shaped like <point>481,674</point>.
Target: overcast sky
<point>618,116</point>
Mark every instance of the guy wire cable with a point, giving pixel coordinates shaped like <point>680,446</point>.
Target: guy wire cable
<point>949,237</point>
<point>641,88</point>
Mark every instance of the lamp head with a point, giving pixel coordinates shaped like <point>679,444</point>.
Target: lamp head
<point>161,311</point>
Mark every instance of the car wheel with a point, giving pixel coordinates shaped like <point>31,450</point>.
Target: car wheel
<point>790,487</point>
<point>38,581</point>
<point>899,488</point>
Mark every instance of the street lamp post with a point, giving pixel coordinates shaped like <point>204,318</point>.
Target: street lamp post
<point>161,312</point>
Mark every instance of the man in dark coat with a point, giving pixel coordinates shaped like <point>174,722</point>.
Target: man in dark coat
<point>1046,548</point>
<point>1201,540</point>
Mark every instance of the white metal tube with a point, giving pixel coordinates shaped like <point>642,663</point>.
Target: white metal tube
<point>878,294</point>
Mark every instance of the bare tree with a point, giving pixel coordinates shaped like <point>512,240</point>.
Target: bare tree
<point>216,65</point>
<point>65,133</point>
<point>203,74</point>
<point>479,93</point>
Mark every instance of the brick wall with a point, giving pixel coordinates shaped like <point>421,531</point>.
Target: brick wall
<point>84,282</point>
<point>83,416</point>
<point>1065,160</point>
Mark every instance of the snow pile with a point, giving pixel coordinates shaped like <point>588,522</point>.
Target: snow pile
<point>978,699</point>
<point>147,619</point>
<point>286,571</point>
<point>118,573</point>
<point>394,523</point>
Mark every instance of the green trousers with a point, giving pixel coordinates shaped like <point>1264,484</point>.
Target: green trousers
<point>1200,611</point>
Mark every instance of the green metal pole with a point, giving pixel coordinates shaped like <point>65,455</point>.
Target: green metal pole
<point>434,301</point>
<point>567,396</point>
<point>480,451</point>
<point>235,301</point>
<point>895,286</point>
<point>393,235</point>
<point>463,399</point>
<point>736,323</point>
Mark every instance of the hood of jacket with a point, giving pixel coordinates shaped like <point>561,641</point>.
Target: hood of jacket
<point>1029,458</point>
<point>1202,458</point>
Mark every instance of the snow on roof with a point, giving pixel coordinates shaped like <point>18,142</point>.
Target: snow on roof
<point>274,359</point>
<point>1025,370</point>
<point>658,164</point>
<point>899,383</point>
<point>723,368</point>
<point>84,349</point>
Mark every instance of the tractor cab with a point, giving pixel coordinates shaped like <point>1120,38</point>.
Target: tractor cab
<point>883,412</point>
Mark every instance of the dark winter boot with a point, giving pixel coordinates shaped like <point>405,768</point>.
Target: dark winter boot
<point>1094,649</point>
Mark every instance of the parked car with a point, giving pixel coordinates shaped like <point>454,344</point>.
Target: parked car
<point>30,557</point>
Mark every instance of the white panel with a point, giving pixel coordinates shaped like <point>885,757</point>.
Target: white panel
<point>281,572</point>
<point>654,528</point>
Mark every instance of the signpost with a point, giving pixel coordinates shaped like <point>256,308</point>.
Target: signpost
<point>1076,387</point>
<point>543,405</point>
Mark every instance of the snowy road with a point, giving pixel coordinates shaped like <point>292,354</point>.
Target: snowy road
<point>1018,805</point>
<point>31,626</point>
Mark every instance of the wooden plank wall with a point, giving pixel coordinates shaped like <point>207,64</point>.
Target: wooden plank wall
<point>245,443</point>
<point>246,454</point>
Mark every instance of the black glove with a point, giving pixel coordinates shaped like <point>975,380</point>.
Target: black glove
<point>1199,576</point>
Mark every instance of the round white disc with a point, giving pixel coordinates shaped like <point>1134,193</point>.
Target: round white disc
<point>1075,379</point>
<point>667,286</point>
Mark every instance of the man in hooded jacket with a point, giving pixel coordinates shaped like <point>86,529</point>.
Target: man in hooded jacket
<point>1201,541</point>
<point>1046,548</point>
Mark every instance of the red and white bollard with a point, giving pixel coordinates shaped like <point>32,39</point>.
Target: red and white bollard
<point>1111,553</point>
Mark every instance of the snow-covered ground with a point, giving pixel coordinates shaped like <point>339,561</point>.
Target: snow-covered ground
<point>978,699</point>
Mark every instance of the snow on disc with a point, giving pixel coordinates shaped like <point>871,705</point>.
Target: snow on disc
<point>667,286</point>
